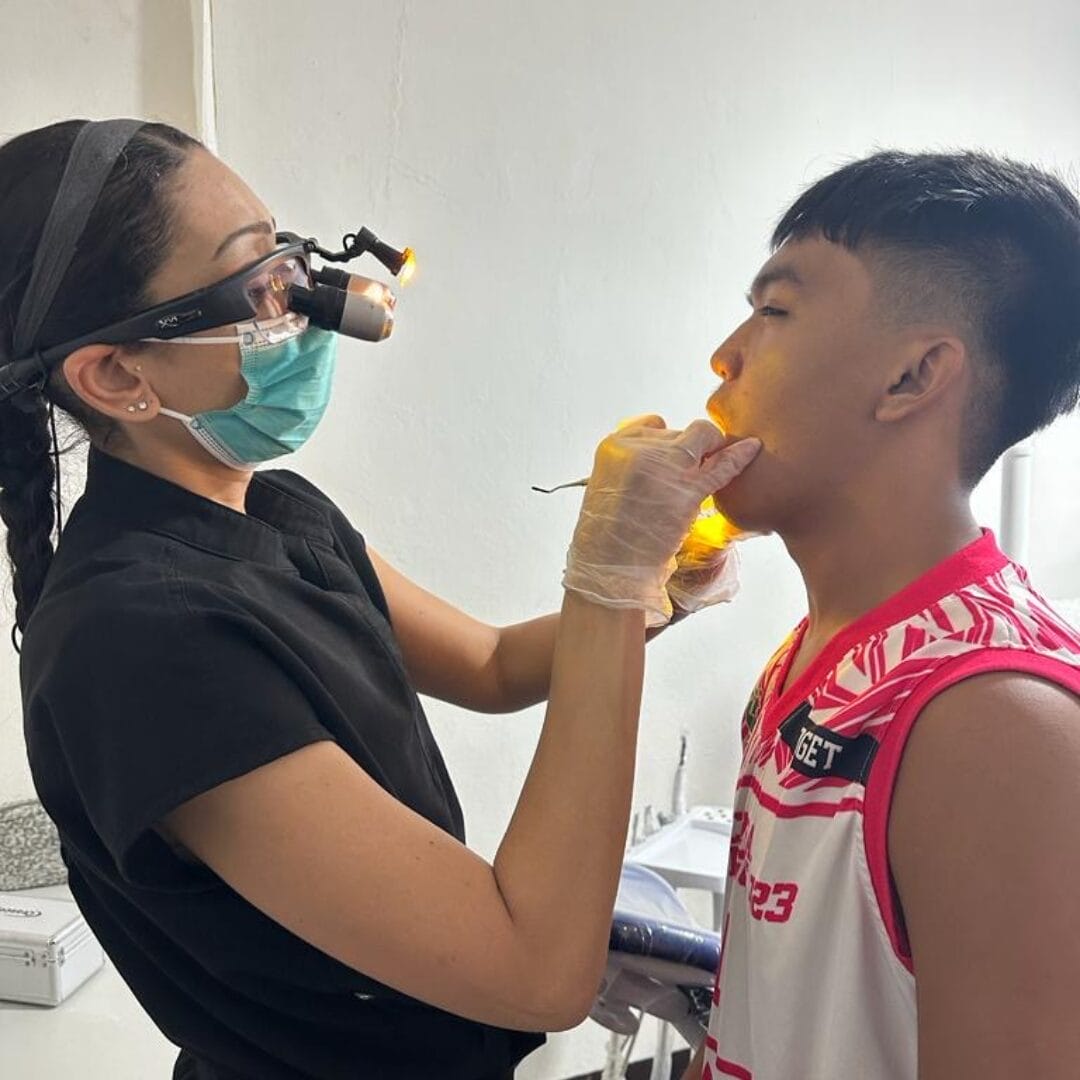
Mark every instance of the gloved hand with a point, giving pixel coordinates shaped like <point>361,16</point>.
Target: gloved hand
<point>643,495</point>
<point>707,564</point>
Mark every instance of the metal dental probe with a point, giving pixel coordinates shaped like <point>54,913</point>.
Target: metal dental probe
<point>562,487</point>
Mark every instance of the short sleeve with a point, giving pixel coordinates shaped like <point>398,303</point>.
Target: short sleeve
<point>350,542</point>
<point>153,703</point>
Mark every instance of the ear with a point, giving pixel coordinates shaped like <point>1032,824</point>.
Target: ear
<point>108,379</point>
<point>933,366</point>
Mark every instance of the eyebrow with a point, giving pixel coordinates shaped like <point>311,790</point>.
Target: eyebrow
<point>782,272</point>
<point>244,230</point>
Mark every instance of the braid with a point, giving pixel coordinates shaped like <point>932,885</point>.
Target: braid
<point>27,475</point>
<point>123,243</point>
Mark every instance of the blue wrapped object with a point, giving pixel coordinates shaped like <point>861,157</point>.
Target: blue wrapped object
<point>660,961</point>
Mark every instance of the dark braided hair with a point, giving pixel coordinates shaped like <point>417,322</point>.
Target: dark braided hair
<point>124,243</point>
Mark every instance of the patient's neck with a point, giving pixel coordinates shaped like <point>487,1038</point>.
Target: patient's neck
<point>857,556</point>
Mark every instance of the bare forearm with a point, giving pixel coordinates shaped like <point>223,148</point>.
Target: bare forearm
<point>524,656</point>
<point>558,865</point>
<point>523,659</point>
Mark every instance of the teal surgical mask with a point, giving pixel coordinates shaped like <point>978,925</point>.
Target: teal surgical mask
<point>288,367</point>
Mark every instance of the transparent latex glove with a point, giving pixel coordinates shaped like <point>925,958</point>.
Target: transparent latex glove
<point>644,493</point>
<point>707,564</point>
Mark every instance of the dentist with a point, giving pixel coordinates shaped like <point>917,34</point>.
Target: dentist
<point>220,681</point>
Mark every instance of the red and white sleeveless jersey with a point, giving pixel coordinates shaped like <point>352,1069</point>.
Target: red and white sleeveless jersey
<point>816,979</point>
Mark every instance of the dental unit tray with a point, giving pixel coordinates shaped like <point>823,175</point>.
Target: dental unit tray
<point>692,851</point>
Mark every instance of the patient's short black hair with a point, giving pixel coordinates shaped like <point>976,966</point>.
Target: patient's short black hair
<point>988,242</point>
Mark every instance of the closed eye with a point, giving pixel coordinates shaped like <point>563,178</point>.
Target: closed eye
<point>766,310</point>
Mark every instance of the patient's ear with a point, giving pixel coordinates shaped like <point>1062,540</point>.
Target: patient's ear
<point>932,367</point>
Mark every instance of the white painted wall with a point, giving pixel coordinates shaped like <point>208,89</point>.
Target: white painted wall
<point>589,188</point>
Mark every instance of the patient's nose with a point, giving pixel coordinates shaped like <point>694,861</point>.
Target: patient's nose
<point>727,361</point>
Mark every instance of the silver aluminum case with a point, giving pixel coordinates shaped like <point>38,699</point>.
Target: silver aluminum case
<point>47,950</point>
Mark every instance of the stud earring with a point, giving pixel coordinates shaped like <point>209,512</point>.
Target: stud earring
<point>143,406</point>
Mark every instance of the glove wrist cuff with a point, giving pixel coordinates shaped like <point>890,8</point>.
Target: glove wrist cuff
<point>622,587</point>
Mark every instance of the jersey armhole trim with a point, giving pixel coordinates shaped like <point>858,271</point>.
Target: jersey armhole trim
<point>882,780</point>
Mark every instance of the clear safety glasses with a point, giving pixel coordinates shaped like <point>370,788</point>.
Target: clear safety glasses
<point>258,294</point>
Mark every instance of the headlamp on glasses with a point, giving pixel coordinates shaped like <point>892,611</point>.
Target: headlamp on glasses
<point>348,303</point>
<point>280,282</point>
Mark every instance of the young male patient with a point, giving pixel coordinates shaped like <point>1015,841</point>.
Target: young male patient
<point>904,890</point>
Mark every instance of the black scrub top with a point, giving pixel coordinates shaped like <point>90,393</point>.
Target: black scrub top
<point>179,644</point>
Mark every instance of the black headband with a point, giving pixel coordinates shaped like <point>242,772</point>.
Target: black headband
<point>91,160</point>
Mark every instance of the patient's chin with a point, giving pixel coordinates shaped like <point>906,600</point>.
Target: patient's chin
<point>745,507</point>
